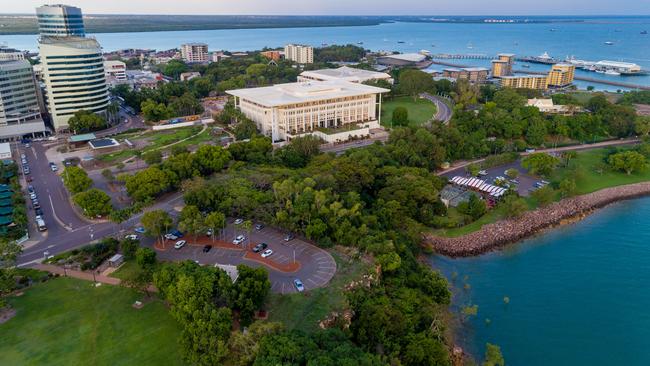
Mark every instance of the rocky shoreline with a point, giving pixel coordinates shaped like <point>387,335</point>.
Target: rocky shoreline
<point>504,232</point>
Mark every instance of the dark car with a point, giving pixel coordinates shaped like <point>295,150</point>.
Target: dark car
<point>176,233</point>
<point>260,247</point>
<point>289,237</point>
<point>30,179</point>
<point>259,227</point>
<point>207,248</point>
<point>39,212</point>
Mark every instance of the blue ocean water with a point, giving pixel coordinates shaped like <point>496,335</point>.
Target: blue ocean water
<point>584,40</point>
<point>578,295</point>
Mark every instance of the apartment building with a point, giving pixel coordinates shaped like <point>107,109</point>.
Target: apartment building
<point>473,74</point>
<point>194,52</point>
<point>20,113</point>
<point>60,21</point>
<point>288,110</point>
<point>561,75</point>
<point>301,54</point>
<point>538,82</point>
<point>502,66</point>
<point>115,71</point>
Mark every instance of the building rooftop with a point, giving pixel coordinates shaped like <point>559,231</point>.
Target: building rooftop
<point>292,93</point>
<point>5,148</point>
<point>470,69</point>
<point>82,138</point>
<point>507,54</point>
<point>411,57</point>
<point>346,73</point>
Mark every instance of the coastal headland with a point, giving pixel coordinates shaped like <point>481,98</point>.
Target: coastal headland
<point>498,234</point>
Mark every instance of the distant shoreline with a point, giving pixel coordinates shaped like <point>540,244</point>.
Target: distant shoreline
<point>504,232</point>
<point>25,24</point>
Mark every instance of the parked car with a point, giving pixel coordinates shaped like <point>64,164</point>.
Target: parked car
<point>30,179</point>
<point>27,171</point>
<point>239,221</point>
<point>38,211</point>
<point>53,167</point>
<point>299,286</point>
<point>267,253</point>
<point>209,232</point>
<point>482,173</point>
<point>171,237</point>
<point>530,150</point>
<point>259,227</point>
<point>36,205</point>
<point>30,188</point>
<point>131,237</point>
<point>207,248</point>
<point>239,239</point>
<point>260,247</point>
<point>176,233</point>
<point>179,244</point>
<point>289,237</point>
<point>32,196</point>
<point>140,230</point>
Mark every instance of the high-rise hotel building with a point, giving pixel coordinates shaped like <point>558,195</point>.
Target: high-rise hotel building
<point>19,109</point>
<point>60,21</point>
<point>73,66</point>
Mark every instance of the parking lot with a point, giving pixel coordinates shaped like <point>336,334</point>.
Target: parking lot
<point>526,182</point>
<point>316,267</point>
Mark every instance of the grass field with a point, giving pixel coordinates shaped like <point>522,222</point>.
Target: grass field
<point>69,322</point>
<point>420,110</point>
<point>303,311</point>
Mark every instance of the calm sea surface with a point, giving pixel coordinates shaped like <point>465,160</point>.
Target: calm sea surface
<point>578,295</point>
<point>583,40</point>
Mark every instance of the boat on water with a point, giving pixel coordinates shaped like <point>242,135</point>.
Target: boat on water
<point>644,32</point>
<point>401,42</point>
<point>612,72</point>
<point>600,71</point>
<point>609,43</point>
<point>525,66</point>
<point>359,42</point>
<point>470,45</point>
<point>552,29</point>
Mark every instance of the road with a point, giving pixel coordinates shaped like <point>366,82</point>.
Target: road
<point>339,149</point>
<point>443,111</point>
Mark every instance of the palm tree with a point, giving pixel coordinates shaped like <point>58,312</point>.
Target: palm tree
<point>248,227</point>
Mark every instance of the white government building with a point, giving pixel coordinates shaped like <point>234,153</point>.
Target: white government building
<point>73,73</point>
<point>344,73</point>
<point>321,108</point>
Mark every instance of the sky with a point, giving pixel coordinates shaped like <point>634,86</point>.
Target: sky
<point>345,7</point>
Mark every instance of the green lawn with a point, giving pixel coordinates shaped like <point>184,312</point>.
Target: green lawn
<point>589,179</point>
<point>303,311</point>
<point>420,110</point>
<point>125,269</point>
<point>69,322</point>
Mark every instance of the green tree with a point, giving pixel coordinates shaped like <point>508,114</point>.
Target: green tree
<point>76,179</point>
<point>152,157</point>
<point>154,112</point>
<point>156,223</point>
<point>567,187</point>
<point>540,163</point>
<point>191,221</point>
<point>514,206</point>
<point>544,196</point>
<point>642,125</point>
<point>249,291</point>
<point>211,159</point>
<point>245,129</point>
<point>147,184</point>
<point>475,207</point>
<point>93,202</point>
<point>145,257</point>
<point>175,68</point>
<point>473,169</point>
<point>413,82</point>
<point>493,356</point>
<point>129,248</point>
<point>627,161</point>
<point>245,346</point>
<point>215,221</point>
<point>108,175</point>
<point>400,116</point>
<point>512,173</point>
<point>9,252</point>
<point>83,121</point>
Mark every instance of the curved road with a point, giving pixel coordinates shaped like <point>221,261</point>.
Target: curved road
<point>443,112</point>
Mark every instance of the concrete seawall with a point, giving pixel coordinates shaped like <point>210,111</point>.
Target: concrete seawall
<point>504,232</point>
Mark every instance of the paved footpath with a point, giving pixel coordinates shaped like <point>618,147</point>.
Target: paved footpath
<point>77,274</point>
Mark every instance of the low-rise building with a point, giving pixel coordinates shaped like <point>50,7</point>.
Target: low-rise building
<point>218,56</point>
<point>272,55</point>
<point>403,59</point>
<point>115,71</point>
<point>186,76</point>
<point>473,74</point>
<point>538,82</point>
<point>547,106</point>
<point>288,110</point>
<point>5,151</point>
<point>194,52</point>
<point>301,54</point>
<point>344,73</point>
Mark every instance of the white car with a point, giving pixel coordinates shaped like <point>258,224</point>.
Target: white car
<point>267,253</point>
<point>171,237</point>
<point>239,239</point>
<point>32,196</point>
<point>179,244</point>
<point>239,221</point>
<point>131,237</point>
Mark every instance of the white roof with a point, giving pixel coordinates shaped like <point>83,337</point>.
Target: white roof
<point>412,57</point>
<point>540,103</point>
<point>345,73</point>
<point>292,93</point>
<point>480,185</point>
<point>5,148</point>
